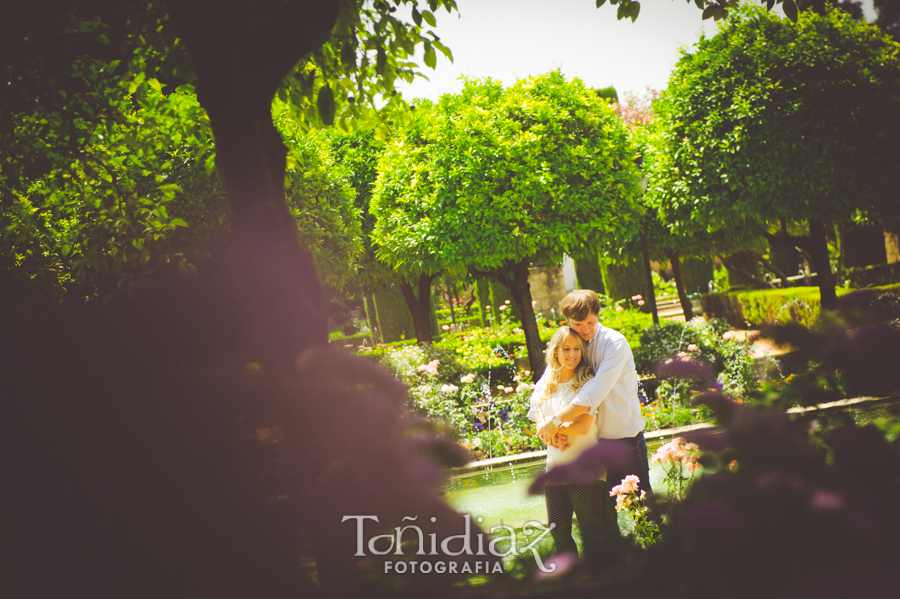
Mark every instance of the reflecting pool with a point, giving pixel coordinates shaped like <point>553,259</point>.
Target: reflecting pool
<point>501,495</point>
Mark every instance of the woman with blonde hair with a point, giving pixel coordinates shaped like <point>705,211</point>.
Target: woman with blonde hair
<point>567,371</point>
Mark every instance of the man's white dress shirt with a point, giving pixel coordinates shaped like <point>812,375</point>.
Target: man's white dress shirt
<point>612,394</point>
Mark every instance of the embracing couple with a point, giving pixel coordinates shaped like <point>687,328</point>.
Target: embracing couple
<point>588,395</point>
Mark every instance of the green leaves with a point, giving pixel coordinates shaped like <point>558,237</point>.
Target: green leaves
<point>713,12</point>
<point>746,137</point>
<point>369,50</point>
<point>325,105</point>
<point>430,56</point>
<point>790,10</point>
<point>492,176</point>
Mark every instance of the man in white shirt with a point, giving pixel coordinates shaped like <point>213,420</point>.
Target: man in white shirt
<point>611,394</point>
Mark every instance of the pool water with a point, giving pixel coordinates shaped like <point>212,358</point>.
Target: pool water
<point>500,496</point>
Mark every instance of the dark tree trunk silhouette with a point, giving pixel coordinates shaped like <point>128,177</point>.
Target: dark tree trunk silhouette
<point>818,248</point>
<point>648,279</point>
<point>240,54</point>
<point>679,285</point>
<point>515,278</point>
<point>420,306</point>
<point>814,248</point>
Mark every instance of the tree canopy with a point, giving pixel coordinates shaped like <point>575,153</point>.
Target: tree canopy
<point>141,200</point>
<point>768,120</point>
<point>494,179</point>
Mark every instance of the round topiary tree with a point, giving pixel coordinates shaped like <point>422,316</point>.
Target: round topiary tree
<point>495,179</point>
<point>769,120</point>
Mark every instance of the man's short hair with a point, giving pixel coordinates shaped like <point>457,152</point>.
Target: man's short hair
<point>580,304</point>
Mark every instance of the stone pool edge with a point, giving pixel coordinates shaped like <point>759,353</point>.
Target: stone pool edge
<point>667,433</point>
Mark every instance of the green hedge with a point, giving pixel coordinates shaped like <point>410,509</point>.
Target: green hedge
<point>395,322</point>
<point>766,306</point>
<point>621,281</point>
<point>354,340</point>
<point>871,276</point>
<point>588,272</point>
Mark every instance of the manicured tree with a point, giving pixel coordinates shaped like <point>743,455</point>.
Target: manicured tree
<point>483,293</point>
<point>357,151</point>
<point>496,179</point>
<point>851,7</point>
<point>888,21</point>
<point>637,114</point>
<point>400,213</point>
<point>769,120</point>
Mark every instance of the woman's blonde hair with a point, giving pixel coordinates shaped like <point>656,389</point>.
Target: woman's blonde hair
<point>583,372</point>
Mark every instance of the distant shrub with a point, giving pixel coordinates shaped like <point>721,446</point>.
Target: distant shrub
<point>874,275</point>
<point>743,309</point>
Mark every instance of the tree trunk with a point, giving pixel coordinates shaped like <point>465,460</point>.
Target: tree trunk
<point>819,251</point>
<point>773,268</point>
<point>515,278</point>
<point>240,56</point>
<point>735,270</point>
<point>648,277</point>
<point>686,305</point>
<point>805,260</point>
<point>450,300</point>
<point>892,241</point>
<point>839,231</point>
<point>420,307</point>
<point>483,292</point>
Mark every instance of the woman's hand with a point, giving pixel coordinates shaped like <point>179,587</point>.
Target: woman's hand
<point>561,442</point>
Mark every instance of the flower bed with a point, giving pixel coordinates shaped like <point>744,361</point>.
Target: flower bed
<point>690,359</point>
<point>469,379</point>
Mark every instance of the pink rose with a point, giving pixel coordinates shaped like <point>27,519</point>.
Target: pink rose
<point>629,484</point>
<point>692,347</point>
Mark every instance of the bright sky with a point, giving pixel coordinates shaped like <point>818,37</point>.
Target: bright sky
<point>512,39</point>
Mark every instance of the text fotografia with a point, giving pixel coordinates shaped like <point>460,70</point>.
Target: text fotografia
<point>468,544</point>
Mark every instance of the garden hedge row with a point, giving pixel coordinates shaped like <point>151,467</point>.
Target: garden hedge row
<point>876,274</point>
<point>743,309</point>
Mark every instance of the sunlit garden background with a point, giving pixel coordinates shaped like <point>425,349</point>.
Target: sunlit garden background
<point>209,364</point>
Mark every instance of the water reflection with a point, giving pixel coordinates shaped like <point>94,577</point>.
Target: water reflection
<point>501,495</point>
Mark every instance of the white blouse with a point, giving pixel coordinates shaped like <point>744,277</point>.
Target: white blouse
<point>559,399</point>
